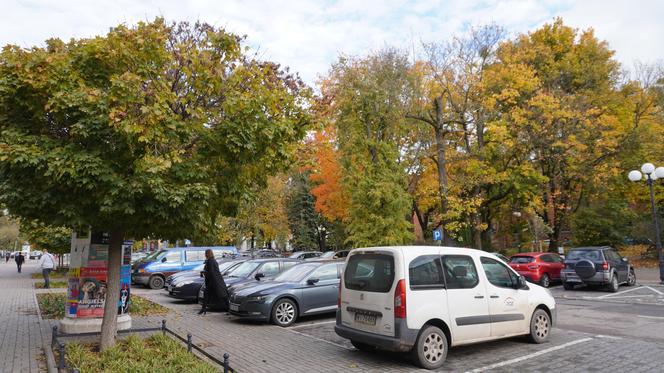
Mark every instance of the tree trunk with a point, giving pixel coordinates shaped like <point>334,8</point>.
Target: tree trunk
<point>109,325</point>
<point>441,161</point>
<point>477,232</point>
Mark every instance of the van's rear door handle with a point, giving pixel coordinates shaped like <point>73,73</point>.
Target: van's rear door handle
<point>494,296</point>
<point>479,297</point>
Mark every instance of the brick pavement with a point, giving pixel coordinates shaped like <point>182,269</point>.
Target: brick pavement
<point>257,347</point>
<point>21,335</point>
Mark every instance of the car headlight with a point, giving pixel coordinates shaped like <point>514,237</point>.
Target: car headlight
<point>141,270</point>
<point>257,298</point>
<point>183,283</point>
<point>548,292</point>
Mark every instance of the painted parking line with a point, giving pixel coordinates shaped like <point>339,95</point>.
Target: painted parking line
<point>651,317</point>
<point>320,339</point>
<point>313,324</point>
<point>622,292</point>
<point>530,356</point>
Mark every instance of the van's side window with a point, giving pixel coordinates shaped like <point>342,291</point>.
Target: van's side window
<point>497,273</point>
<point>460,272</point>
<point>194,255</point>
<point>173,257</point>
<point>425,272</point>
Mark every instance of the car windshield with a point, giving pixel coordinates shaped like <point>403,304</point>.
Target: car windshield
<point>225,266</point>
<point>154,255</point>
<point>244,269</point>
<point>583,254</point>
<point>522,259</point>
<point>296,273</point>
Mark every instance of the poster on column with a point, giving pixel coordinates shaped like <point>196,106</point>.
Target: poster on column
<point>91,292</point>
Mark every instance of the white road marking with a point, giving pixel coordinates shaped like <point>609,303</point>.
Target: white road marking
<point>651,317</point>
<point>622,292</point>
<point>313,324</point>
<point>607,336</point>
<point>526,357</point>
<point>319,339</point>
<point>655,290</point>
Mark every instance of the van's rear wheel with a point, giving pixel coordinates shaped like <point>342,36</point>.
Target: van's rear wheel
<point>430,350</point>
<point>156,282</point>
<point>540,326</point>
<point>363,346</point>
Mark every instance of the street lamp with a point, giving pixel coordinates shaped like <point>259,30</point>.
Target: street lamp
<point>651,174</point>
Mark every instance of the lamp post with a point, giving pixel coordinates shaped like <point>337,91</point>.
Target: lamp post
<point>651,173</point>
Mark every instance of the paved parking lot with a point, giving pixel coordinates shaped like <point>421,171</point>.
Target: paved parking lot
<point>596,332</point>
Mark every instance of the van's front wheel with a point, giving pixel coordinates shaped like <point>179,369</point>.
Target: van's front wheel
<point>540,326</point>
<point>430,350</point>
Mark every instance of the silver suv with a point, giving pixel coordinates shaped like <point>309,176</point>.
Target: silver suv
<point>596,266</point>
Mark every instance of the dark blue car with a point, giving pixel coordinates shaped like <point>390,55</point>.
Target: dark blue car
<point>306,289</point>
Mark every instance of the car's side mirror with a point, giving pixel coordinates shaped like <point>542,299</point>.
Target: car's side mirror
<point>312,281</point>
<point>163,260</point>
<point>259,276</point>
<point>521,283</point>
<point>625,260</point>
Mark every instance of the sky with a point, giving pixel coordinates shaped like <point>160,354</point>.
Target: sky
<point>309,35</point>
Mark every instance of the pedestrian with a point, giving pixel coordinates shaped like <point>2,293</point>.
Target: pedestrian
<point>19,259</point>
<point>216,291</point>
<point>7,255</point>
<point>47,264</point>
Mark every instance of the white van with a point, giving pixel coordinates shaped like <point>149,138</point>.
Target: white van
<point>425,299</point>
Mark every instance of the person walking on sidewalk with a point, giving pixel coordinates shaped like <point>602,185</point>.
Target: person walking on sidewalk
<point>19,258</point>
<point>46,263</point>
<point>7,255</point>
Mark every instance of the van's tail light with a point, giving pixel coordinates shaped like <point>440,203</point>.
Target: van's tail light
<point>400,300</point>
<point>339,297</point>
<point>605,266</point>
<point>533,266</point>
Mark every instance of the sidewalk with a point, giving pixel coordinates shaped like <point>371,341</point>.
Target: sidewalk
<point>647,276</point>
<point>21,336</point>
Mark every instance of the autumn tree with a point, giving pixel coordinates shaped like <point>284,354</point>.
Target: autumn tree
<point>56,240</point>
<point>556,92</point>
<point>152,130</point>
<point>368,108</point>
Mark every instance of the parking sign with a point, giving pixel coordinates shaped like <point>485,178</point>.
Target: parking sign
<point>437,236</point>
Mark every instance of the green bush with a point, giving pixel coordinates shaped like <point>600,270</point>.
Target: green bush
<point>157,353</point>
<point>53,284</point>
<point>52,306</point>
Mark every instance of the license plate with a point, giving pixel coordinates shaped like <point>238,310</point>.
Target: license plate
<point>170,288</point>
<point>365,319</point>
<point>235,307</point>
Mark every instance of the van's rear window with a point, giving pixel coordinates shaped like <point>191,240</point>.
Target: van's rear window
<point>522,259</point>
<point>369,272</point>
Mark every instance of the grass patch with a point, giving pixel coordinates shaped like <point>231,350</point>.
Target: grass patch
<point>58,273</point>
<point>158,353</point>
<point>640,256</point>
<point>52,306</point>
<point>54,285</point>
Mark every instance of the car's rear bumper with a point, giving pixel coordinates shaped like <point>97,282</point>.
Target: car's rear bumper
<point>403,340</point>
<point>601,277</point>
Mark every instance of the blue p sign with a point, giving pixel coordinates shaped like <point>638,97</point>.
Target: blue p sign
<point>437,236</point>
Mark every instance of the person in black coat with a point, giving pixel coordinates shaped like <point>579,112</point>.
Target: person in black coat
<point>216,291</point>
<point>19,258</point>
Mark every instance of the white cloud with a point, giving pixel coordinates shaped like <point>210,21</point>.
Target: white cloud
<point>309,35</point>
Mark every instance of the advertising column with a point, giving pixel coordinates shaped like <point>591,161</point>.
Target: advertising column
<point>87,285</point>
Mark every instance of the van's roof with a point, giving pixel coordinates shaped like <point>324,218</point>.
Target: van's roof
<point>425,249</point>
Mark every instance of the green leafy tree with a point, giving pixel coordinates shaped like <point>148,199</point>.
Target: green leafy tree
<point>9,232</point>
<point>308,228</point>
<point>56,240</point>
<point>604,223</point>
<point>149,131</point>
<point>369,112</point>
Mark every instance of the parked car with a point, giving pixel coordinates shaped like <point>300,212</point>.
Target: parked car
<point>251,271</point>
<point>305,289</point>
<point>35,254</point>
<point>426,300</point>
<point>541,268</point>
<point>153,269</point>
<point>331,255</point>
<point>185,285</point>
<point>304,255</point>
<point>597,266</point>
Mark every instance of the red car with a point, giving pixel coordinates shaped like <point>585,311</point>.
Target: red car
<point>541,268</point>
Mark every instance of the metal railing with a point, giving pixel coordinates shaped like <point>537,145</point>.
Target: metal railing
<point>62,347</point>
